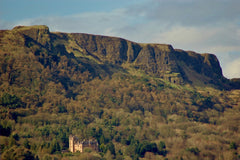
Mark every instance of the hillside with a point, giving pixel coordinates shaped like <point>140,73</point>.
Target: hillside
<point>159,60</point>
<point>139,101</point>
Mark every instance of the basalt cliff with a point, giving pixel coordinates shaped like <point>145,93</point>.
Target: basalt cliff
<point>160,60</point>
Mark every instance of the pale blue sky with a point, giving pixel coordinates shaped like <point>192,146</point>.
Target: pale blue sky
<point>205,26</point>
<point>21,9</point>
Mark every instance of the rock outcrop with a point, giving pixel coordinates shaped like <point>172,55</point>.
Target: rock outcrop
<point>160,60</point>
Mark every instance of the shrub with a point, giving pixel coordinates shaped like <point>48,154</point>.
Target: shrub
<point>162,148</point>
<point>5,130</point>
<point>194,150</point>
<point>233,145</point>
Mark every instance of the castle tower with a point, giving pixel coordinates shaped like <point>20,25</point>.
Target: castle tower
<point>79,145</point>
<point>71,143</point>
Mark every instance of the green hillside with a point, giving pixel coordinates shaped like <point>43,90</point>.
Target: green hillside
<point>140,101</point>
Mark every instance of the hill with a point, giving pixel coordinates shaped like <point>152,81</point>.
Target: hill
<point>159,60</point>
<point>138,100</point>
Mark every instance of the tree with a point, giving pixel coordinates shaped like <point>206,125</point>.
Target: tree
<point>108,155</point>
<point>147,147</point>
<point>161,145</point>
<point>111,148</point>
<point>11,101</point>
<point>26,144</point>
<point>162,148</point>
<point>54,147</point>
<point>103,148</point>
<point>5,130</point>
<point>12,141</point>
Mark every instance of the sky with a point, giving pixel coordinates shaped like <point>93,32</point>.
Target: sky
<point>203,26</point>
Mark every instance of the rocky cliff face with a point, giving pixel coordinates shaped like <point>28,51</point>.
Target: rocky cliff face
<point>160,60</point>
